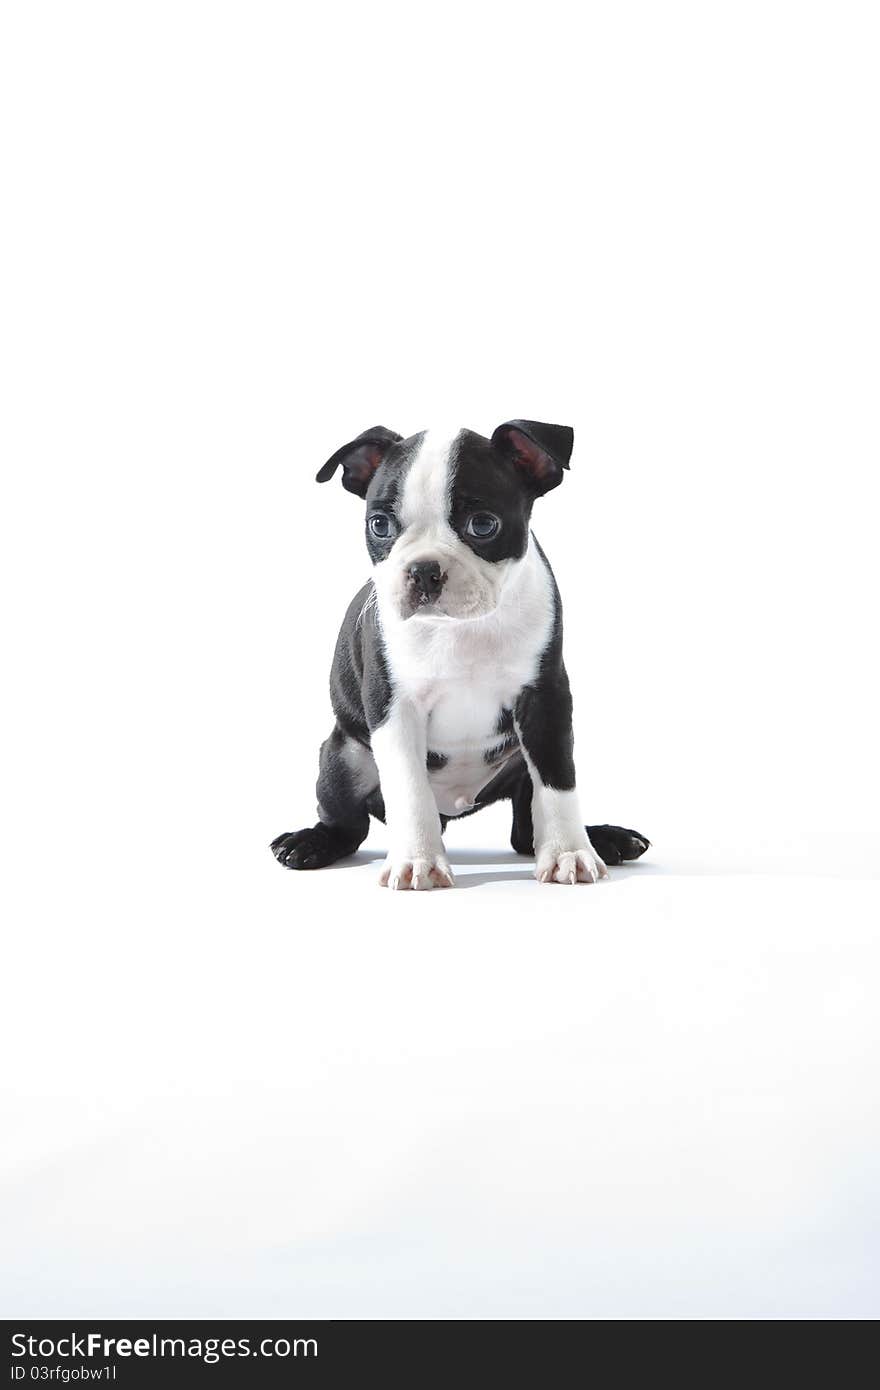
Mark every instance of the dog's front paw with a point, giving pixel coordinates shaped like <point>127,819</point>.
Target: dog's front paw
<point>555,865</point>
<point>417,872</point>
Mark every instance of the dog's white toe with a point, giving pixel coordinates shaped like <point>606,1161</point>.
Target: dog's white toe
<point>417,873</point>
<point>569,866</point>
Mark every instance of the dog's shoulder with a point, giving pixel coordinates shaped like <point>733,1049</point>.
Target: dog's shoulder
<point>360,689</point>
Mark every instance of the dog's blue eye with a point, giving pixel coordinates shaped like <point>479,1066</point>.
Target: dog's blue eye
<point>483,525</point>
<point>380,525</point>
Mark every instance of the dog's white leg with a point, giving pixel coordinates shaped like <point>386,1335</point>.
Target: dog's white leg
<point>563,853</point>
<point>415,852</point>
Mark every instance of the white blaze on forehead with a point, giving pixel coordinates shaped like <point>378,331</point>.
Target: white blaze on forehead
<point>428,484</point>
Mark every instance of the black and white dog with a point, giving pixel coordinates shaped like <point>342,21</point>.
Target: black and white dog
<point>448,683</point>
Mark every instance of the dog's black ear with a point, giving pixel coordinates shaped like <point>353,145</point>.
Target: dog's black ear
<point>360,459</point>
<point>540,451</point>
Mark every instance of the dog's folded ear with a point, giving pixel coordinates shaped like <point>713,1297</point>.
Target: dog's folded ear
<point>360,459</point>
<point>540,451</point>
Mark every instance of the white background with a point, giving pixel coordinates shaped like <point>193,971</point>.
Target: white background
<point>234,236</point>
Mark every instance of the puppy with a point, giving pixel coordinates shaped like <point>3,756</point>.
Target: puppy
<point>448,683</point>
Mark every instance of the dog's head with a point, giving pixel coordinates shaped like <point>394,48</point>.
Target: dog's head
<point>448,515</point>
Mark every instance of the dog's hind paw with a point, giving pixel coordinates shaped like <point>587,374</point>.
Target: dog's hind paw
<point>313,848</point>
<point>616,845</point>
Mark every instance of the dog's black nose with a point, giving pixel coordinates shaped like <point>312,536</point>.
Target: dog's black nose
<point>427,577</point>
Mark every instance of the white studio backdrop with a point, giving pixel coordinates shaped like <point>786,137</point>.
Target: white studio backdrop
<point>237,235</point>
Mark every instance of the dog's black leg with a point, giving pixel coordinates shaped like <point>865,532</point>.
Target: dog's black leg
<point>522,834</point>
<point>342,806</point>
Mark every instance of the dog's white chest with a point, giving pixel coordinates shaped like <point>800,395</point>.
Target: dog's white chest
<point>466,744</point>
<point>463,676</point>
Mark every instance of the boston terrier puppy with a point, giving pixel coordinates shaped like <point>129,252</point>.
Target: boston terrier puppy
<point>448,683</point>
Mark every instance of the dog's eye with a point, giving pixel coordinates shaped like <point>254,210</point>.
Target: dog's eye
<point>380,525</point>
<point>483,526</point>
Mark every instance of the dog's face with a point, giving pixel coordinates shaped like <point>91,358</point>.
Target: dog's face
<point>447,516</point>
